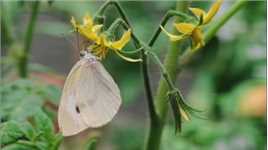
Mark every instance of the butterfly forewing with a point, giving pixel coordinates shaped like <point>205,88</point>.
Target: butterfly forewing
<point>90,98</point>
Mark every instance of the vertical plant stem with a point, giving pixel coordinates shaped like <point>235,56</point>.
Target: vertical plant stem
<point>144,67</point>
<point>170,63</point>
<point>23,63</point>
<point>6,26</point>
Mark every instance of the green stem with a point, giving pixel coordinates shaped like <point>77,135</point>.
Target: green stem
<point>7,37</point>
<point>164,72</point>
<point>118,8</point>
<point>23,64</point>
<point>171,66</point>
<point>147,85</point>
<point>170,62</point>
<point>154,119</point>
<point>168,15</point>
<point>214,28</point>
<point>222,20</point>
<point>126,26</point>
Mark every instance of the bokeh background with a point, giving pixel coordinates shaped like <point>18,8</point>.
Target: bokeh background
<point>227,79</point>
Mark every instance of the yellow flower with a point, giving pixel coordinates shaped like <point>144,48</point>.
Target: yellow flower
<point>206,17</point>
<point>101,44</point>
<point>194,30</point>
<point>87,29</point>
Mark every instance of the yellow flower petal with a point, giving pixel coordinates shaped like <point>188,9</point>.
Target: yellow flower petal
<point>198,12</point>
<point>97,28</point>
<point>73,22</point>
<point>185,28</point>
<point>212,11</point>
<point>127,58</point>
<point>184,115</point>
<point>88,34</point>
<point>198,38</point>
<point>122,42</point>
<point>172,37</point>
<point>87,21</point>
<point>87,29</point>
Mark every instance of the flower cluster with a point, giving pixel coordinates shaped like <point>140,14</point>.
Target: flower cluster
<point>193,30</point>
<point>101,42</point>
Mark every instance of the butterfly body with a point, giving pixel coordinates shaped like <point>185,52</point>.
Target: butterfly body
<point>90,97</point>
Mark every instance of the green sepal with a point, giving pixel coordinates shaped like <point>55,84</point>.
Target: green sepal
<point>176,112</point>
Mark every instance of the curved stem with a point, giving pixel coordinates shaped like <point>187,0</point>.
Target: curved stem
<point>165,19</point>
<point>155,133</point>
<point>163,71</point>
<point>126,26</point>
<point>146,78</point>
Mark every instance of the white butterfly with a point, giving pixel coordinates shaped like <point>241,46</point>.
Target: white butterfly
<point>90,97</point>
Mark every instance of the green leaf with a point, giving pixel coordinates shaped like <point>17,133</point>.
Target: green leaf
<point>52,93</point>
<point>26,107</point>
<point>28,130</point>
<point>42,145</point>
<point>91,145</point>
<point>18,146</point>
<point>44,124</point>
<point>10,132</point>
<point>56,143</point>
<point>22,98</point>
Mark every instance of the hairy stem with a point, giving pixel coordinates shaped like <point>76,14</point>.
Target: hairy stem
<point>23,63</point>
<point>170,62</point>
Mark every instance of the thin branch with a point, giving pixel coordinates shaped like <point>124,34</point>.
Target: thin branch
<point>146,78</point>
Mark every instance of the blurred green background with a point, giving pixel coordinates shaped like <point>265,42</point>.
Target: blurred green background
<point>227,79</point>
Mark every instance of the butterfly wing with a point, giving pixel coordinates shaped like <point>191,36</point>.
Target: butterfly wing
<point>69,120</point>
<point>90,98</point>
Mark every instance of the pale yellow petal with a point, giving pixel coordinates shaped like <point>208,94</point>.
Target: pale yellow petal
<point>185,28</point>
<point>172,37</point>
<point>73,22</point>
<point>87,21</point>
<point>88,33</point>
<point>212,11</point>
<point>127,58</point>
<point>198,12</point>
<point>184,115</point>
<point>122,42</point>
<point>198,39</point>
<point>97,28</point>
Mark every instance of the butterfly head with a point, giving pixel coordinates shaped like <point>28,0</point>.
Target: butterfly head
<point>87,55</point>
